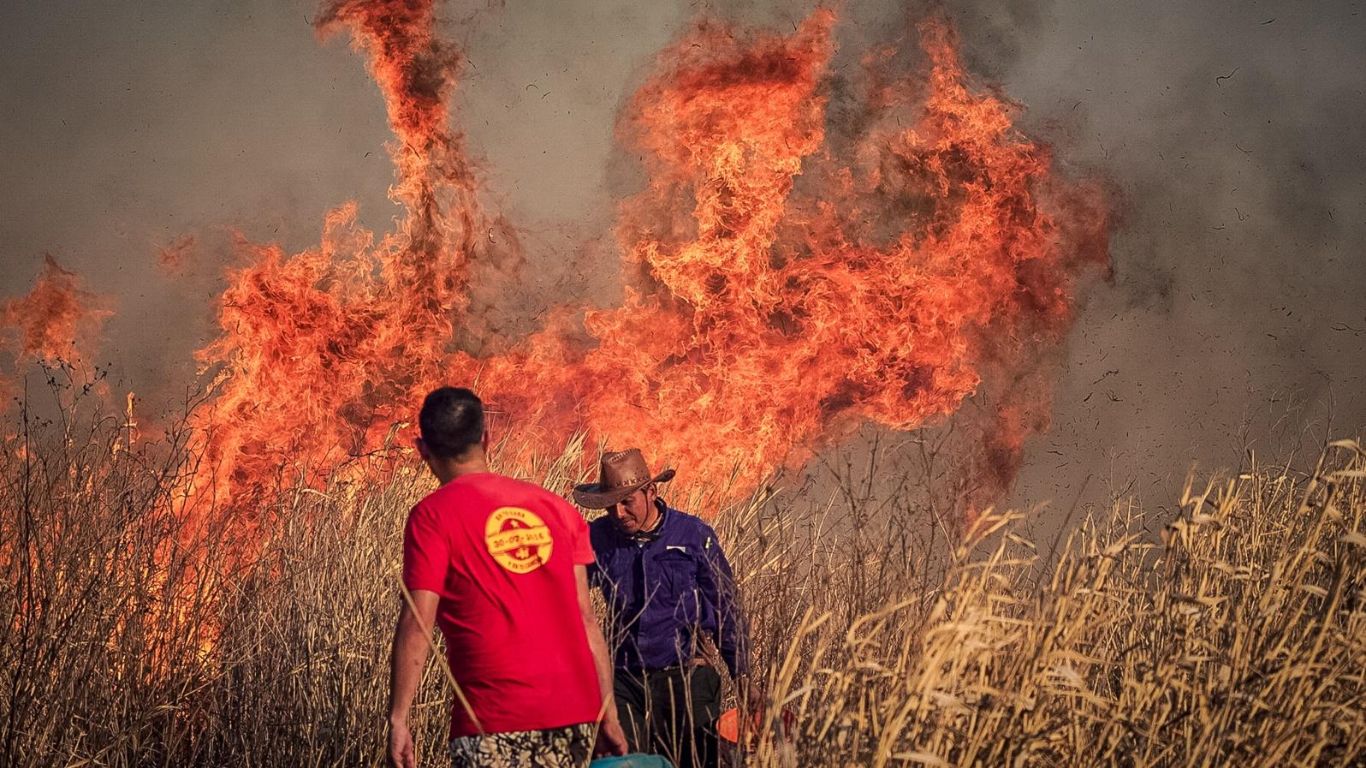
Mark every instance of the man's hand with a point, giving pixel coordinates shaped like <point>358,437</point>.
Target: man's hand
<point>402,753</point>
<point>751,702</point>
<point>751,696</point>
<point>412,638</point>
<point>611,739</point>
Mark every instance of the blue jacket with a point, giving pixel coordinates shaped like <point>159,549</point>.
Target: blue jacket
<point>662,593</point>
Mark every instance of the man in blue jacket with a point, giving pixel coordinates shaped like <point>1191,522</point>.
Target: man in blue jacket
<point>667,585</point>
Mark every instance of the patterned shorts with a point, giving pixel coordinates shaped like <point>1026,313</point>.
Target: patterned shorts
<point>569,747</point>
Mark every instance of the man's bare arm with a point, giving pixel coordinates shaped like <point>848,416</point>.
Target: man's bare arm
<point>602,660</point>
<point>412,639</point>
<point>613,740</point>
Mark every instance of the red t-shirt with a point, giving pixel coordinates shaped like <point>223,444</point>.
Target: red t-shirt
<point>501,555</point>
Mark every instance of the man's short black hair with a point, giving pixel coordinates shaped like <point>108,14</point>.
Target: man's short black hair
<point>452,421</point>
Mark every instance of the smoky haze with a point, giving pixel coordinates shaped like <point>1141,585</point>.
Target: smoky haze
<point>1233,133</point>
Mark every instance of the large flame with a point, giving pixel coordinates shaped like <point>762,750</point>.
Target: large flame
<point>322,351</point>
<point>768,315</point>
<point>787,278</point>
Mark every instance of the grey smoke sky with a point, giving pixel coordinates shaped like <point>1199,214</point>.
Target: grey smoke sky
<point>1234,130</point>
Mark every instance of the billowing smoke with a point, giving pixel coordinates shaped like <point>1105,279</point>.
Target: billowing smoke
<point>1235,325</point>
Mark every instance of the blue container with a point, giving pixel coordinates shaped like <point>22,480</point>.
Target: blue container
<point>631,761</point>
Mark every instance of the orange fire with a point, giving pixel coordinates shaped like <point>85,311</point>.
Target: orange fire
<point>323,351</point>
<point>786,279</point>
<point>784,286</point>
<point>789,286</point>
<point>56,320</point>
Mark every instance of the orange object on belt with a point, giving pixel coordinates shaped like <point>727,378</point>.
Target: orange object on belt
<point>728,726</point>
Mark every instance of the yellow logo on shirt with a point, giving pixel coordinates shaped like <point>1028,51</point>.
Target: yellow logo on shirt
<point>518,539</point>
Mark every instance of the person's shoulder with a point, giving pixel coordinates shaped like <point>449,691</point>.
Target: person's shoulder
<point>431,504</point>
<point>692,525</point>
<point>512,484</point>
<point>495,486</point>
<point>532,494</point>
<point>475,493</point>
<point>429,516</point>
<point>689,520</point>
<point>547,496</point>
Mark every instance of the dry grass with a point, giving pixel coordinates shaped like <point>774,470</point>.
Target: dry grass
<point>1234,633</point>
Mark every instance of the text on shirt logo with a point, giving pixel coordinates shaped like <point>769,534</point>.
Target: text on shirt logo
<point>517,539</point>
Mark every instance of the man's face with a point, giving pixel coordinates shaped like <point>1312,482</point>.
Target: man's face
<point>636,512</point>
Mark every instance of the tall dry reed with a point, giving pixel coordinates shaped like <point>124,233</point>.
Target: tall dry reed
<point>132,632</point>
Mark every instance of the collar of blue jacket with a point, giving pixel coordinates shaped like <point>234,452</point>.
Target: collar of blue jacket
<point>645,537</point>
<point>666,593</point>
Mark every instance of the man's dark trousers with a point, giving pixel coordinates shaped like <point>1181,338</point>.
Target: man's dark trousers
<point>671,712</point>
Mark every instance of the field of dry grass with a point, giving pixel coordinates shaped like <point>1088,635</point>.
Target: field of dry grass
<point>1232,631</point>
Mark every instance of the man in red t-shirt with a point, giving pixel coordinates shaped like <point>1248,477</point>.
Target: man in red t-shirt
<point>500,566</point>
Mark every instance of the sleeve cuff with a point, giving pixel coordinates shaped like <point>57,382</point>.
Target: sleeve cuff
<point>415,585</point>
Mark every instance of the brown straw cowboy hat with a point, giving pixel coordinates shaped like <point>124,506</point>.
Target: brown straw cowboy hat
<point>622,473</point>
